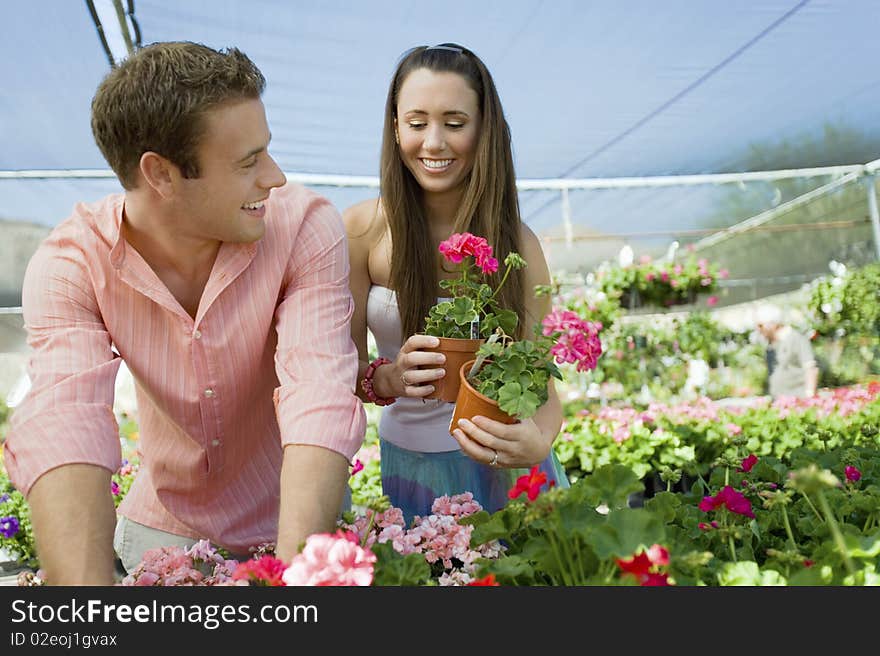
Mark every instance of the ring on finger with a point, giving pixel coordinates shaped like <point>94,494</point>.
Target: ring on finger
<point>494,461</point>
<point>403,380</point>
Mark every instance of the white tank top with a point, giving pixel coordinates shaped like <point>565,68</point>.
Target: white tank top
<point>414,424</point>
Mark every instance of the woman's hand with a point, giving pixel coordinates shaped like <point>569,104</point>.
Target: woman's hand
<point>404,376</point>
<point>502,445</point>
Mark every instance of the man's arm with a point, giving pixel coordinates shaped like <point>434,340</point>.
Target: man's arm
<point>812,382</point>
<point>321,419</point>
<point>811,371</point>
<point>811,379</point>
<point>63,440</point>
<point>309,503</point>
<point>73,518</point>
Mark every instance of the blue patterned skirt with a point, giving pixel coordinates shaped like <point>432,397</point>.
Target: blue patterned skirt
<point>413,479</point>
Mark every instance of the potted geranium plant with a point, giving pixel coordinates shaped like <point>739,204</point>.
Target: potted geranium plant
<point>508,379</point>
<point>660,284</point>
<point>471,313</point>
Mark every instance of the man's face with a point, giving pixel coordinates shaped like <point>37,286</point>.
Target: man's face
<point>768,330</point>
<point>227,201</point>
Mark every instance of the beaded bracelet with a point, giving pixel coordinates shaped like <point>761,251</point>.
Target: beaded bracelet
<point>367,383</point>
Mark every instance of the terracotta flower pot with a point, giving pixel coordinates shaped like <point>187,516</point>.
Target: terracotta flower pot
<point>457,352</point>
<point>471,403</point>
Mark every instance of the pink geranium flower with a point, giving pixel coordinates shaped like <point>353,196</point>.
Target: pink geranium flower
<point>460,245</point>
<point>577,340</point>
<point>199,565</point>
<point>331,560</point>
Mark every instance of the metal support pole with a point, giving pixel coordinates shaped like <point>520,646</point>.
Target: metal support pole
<point>566,219</point>
<point>872,210</point>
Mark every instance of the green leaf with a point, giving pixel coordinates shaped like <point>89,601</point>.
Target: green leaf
<point>498,526</point>
<point>611,485</point>
<point>626,531</point>
<point>517,403</point>
<point>463,311</point>
<point>512,570</point>
<point>391,568</point>
<point>665,504</point>
<point>747,573</point>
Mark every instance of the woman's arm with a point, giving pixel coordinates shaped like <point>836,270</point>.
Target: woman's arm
<point>360,231</point>
<point>364,228</point>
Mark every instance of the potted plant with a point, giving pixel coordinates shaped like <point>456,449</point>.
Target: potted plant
<point>471,313</point>
<point>508,379</point>
<point>660,284</point>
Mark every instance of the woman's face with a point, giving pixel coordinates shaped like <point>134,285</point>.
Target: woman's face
<point>438,126</point>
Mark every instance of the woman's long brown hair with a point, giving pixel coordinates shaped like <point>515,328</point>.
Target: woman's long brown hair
<point>489,207</point>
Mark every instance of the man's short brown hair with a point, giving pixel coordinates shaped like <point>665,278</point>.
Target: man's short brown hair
<point>155,100</point>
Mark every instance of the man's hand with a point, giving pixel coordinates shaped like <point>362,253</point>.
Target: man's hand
<point>313,481</point>
<point>74,517</point>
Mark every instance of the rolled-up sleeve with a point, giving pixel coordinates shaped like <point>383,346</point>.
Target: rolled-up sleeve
<point>67,416</point>
<point>316,360</point>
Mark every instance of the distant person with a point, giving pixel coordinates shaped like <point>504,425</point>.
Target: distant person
<point>225,291</point>
<point>446,167</point>
<point>791,365</point>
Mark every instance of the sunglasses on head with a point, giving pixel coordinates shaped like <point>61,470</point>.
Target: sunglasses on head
<point>442,46</point>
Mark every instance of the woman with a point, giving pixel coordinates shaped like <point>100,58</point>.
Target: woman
<point>446,167</point>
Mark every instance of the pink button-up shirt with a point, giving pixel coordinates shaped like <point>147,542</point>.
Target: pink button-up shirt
<point>270,347</point>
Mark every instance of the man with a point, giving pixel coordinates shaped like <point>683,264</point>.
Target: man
<point>791,366</point>
<point>225,291</point>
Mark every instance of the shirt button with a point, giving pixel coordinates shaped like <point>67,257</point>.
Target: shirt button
<point>209,392</point>
<point>197,334</point>
<point>215,442</point>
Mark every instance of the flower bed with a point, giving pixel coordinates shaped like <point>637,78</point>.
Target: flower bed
<point>690,437</point>
<point>783,494</point>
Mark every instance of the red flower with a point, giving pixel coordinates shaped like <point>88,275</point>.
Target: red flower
<point>734,501</point>
<point>487,580</point>
<point>639,566</point>
<point>655,580</point>
<point>658,554</point>
<point>265,571</point>
<point>530,484</point>
<point>357,466</point>
<point>645,566</point>
<point>852,474</point>
<point>748,463</point>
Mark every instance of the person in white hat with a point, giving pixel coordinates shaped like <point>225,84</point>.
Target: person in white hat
<point>791,365</point>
